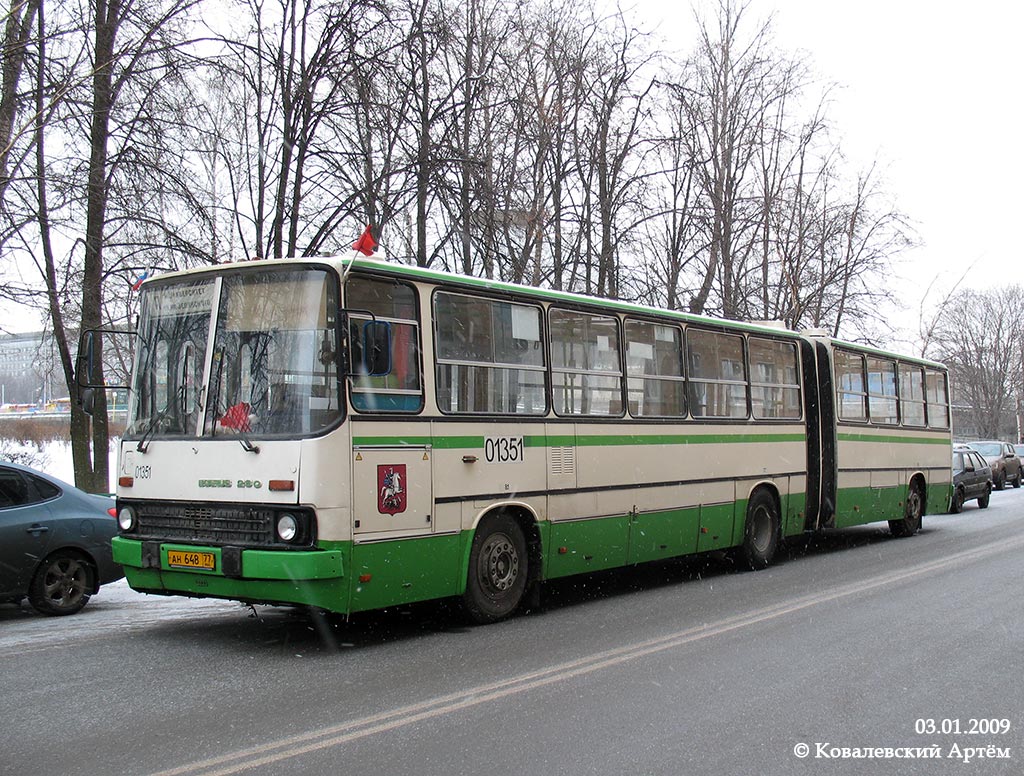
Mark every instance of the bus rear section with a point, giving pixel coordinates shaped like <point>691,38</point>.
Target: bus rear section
<point>886,439</point>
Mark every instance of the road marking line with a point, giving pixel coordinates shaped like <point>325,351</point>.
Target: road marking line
<point>335,735</point>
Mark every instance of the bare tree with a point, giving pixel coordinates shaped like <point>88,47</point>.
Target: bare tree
<point>726,97</point>
<point>95,114</point>
<point>18,35</point>
<point>978,336</point>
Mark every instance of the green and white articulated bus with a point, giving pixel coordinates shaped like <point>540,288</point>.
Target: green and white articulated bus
<point>351,434</point>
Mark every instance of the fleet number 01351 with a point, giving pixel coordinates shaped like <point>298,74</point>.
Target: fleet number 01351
<point>503,449</point>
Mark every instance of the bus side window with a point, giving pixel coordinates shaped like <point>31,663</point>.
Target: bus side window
<point>774,379</point>
<point>654,368</point>
<point>850,386</point>
<point>401,389</point>
<point>937,399</point>
<point>882,391</point>
<point>585,368</point>
<point>489,356</point>
<point>717,375</point>
<point>912,395</point>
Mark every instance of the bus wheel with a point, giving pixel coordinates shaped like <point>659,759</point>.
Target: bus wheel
<point>911,522</point>
<point>761,532</point>
<point>497,570</point>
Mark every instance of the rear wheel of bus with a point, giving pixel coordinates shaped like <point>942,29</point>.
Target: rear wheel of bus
<point>498,569</point>
<point>761,531</point>
<point>913,512</point>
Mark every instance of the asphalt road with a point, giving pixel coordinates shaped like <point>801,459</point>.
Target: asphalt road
<point>879,655</point>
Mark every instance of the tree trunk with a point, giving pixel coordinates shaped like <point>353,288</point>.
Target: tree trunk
<point>94,475</point>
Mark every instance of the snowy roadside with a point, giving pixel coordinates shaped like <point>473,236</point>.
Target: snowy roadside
<point>60,464</point>
<point>115,607</point>
<point>53,458</point>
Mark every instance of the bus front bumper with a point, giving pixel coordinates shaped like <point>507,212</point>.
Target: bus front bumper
<point>308,577</point>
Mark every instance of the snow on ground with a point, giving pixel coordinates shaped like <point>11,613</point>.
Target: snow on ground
<point>115,608</point>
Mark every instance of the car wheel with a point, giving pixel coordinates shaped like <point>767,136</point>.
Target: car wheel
<point>63,584</point>
<point>958,501</point>
<point>983,500</point>
<point>1017,479</point>
<point>1000,481</point>
<point>912,513</point>
<point>498,566</point>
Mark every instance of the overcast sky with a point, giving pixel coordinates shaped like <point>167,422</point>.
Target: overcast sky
<point>932,90</point>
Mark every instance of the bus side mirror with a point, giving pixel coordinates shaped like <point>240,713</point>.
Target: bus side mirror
<point>377,348</point>
<point>86,361</point>
<point>92,368</point>
<point>87,398</point>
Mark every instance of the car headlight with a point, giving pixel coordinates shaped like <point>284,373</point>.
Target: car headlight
<point>287,527</point>
<point>126,518</point>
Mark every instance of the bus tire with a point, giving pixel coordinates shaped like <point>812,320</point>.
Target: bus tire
<point>498,570</point>
<point>913,511</point>
<point>761,531</point>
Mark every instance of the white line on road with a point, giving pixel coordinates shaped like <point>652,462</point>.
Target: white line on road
<point>335,735</point>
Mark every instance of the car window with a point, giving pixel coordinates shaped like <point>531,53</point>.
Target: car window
<point>14,489</point>
<point>958,462</point>
<point>987,448</point>
<point>979,462</point>
<point>46,490</point>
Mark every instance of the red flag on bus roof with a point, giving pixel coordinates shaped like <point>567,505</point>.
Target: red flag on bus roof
<point>365,244</point>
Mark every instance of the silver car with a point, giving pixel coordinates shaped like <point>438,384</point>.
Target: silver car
<point>1001,456</point>
<point>54,541</point>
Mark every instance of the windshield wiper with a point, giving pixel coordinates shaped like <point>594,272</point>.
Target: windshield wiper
<point>245,442</point>
<point>143,445</point>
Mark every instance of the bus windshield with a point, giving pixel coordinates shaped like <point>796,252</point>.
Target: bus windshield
<point>270,369</point>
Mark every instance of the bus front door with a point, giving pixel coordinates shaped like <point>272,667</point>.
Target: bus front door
<point>392,489</point>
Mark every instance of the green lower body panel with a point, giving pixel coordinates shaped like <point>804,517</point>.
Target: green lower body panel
<point>857,506</point>
<point>386,573</point>
<point>312,578</point>
<point>794,511</point>
<point>718,523</point>
<point>579,546</point>
<point>346,577</point>
<point>329,595</point>
<point>659,535</point>
<point>939,497</point>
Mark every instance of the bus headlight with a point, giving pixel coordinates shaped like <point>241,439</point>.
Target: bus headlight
<point>126,518</point>
<point>287,527</point>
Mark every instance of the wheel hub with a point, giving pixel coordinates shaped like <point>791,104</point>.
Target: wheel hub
<point>63,583</point>
<point>500,563</point>
<point>762,533</point>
